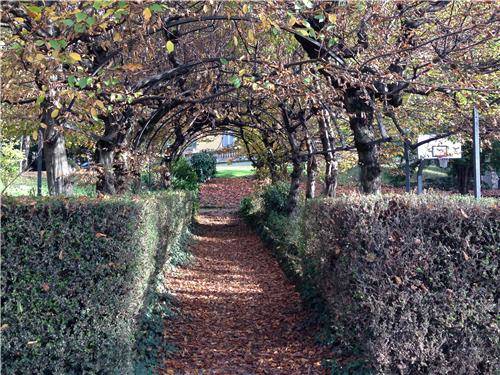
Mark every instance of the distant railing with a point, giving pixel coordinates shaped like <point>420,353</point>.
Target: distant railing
<point>225,155</point>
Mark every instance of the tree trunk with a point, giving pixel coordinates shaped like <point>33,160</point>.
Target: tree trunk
<point>122,171</point>
<point>312,167</point>
<point>312,171</point>
<point>25,148</point>
<point>331,172</point>
<point>331,164</point>
<point>463,178</point>
<point>56,163</point>
<point>293,195</point>
<point>166,175</point>
<point>106,177</point>
<point>369,176</point>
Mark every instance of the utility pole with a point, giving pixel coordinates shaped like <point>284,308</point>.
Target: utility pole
<point>476,155</point>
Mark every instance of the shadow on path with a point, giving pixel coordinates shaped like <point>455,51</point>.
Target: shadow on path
<point>240,315</point>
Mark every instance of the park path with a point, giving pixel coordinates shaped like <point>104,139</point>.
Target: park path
<point>239,313</point>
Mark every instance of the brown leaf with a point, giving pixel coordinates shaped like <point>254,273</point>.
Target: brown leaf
<point>371,257</point>
<point>45,287</point>
<point>99,235</point>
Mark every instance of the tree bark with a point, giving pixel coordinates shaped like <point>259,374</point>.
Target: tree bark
<point>25,148</point>
<point>293,195</point>
<point>463,178</point>
<point>56,163</point>
<point>312,171</point>
<point>369,176</point>
<point>105,177</point>
<point>312,168</point>
<point>331,164</point>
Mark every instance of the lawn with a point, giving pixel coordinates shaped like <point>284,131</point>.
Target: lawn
<point>26,185</point>
<point>234,170</point>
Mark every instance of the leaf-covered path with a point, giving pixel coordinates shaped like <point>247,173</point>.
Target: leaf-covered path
<point>240,315</point>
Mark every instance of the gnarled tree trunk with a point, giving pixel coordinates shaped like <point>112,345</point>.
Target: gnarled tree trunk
<point>106,177</point>
<point>56,163</point>
<point>369,175</point>
<point>312,168</point>
<point>359,105</point>
<point>331,164</point>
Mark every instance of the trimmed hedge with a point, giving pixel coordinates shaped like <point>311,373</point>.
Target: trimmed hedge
<point>78,277</point>
<point>410,283</point>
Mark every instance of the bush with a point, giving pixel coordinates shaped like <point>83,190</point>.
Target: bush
<point>10,158</point>
<point>184,176</point>
<point>78,278</point>
<point>275,197</point>
<point>410,281</point>
<point>204,164</point>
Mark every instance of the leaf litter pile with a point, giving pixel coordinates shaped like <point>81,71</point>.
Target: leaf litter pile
<point>239,313</point>
<point>226,192</point>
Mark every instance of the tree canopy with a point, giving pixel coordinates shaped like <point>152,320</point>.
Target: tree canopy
<point>293,80</point>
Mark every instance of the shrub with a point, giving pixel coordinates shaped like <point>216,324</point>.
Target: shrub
<point>184,176</point>
<point>204,164</point>
<point>9,162</point>
<point>275,197</point>
<point>78,276</point>
<point>410,282</point>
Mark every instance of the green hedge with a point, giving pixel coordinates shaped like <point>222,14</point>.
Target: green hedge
<point>409,283</point>
<point>77,278</point>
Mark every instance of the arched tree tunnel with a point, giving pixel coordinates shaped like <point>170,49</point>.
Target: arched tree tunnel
<point>296,82</point>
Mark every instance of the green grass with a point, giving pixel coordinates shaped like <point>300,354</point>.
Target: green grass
<point>432,172</point>
<point>232,171</point>
<point>26,185</point>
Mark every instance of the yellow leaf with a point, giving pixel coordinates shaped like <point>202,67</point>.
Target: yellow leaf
<point>241,72</point>
<point>147,14</point>
<point>170,46</point>
<point>75,56</point>
<point>251,36</point>
<point>93,112</point>
<point>292,21</point>
<point>100,104</point>
<point>245,8</point>
<point>235,41</point>
<point>117,37</point>
<point>54,113</point>
<point>332,18</point>
<point>39,57</point>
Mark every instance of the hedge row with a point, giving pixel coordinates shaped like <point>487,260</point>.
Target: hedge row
<point>77,279</point>
<point>410,283</point>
